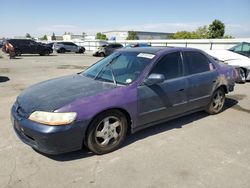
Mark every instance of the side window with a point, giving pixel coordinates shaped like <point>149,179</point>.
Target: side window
<point>246,47</point>
<point>196,62</point>
<point>238,48</point>
<point>117,45</point>
<point>32,42</point>
<point>170,66</point>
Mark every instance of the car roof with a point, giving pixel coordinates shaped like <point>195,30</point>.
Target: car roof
<point>156,50</point>
<point>151,50</point>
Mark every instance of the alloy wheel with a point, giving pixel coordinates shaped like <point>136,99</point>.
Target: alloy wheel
<point>108,131</point>
<point>218,100</point>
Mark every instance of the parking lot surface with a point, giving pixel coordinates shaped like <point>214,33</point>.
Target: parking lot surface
<point>193,151</point>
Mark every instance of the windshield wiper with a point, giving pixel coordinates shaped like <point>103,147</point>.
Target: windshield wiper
<point>108,65</point>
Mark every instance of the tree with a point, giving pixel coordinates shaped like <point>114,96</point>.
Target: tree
<point>228,37</point>
<point>202,32</point>
<point>216,29</point>
<point>184,35</point>
<point>28,36</point>
<point>132,35</point>
<point>45,37</point>
<point>53,36</point>
<point>101,36</point>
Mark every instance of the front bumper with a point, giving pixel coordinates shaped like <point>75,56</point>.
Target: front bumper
<point>48,139</point>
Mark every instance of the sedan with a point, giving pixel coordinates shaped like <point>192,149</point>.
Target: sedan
<point>240,62</point>
<point>106,50</point>
<point>242,48</point>
<point>125,92</point>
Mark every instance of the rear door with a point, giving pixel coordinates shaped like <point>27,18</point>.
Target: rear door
<point>201,77</point>
<point>160,101</point>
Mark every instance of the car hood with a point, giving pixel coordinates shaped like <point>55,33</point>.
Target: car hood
<point>53,94</point>
<point>226,55</point>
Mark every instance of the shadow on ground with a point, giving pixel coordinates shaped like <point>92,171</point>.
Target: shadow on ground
<point>36,55</point>
<point>4,79</point>
<point>131,138</point>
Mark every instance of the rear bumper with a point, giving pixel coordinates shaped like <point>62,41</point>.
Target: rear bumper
<point>49,139</point>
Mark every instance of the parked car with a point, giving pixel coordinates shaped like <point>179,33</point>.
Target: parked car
<point>51,44</point>
<point>242,48</point>
<point>240,62</point>
<point>28,46</point>
<point>108,49</point>
<point>62,47</point>
<point>127,91</point>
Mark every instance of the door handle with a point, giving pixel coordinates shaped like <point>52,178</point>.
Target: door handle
<point>214,81</point>
<point>181,89</point>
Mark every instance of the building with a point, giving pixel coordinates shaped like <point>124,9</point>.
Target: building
<point>72,37</point>
<point>142,35</point>
<point>58,38</point>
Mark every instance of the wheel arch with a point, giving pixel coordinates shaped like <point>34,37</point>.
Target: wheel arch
<point>224,87</point>
<point>125,112</point>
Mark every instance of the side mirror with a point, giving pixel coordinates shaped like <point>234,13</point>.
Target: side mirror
<point>154,79</point>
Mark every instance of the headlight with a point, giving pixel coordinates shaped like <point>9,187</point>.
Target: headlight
<point>53,118</point>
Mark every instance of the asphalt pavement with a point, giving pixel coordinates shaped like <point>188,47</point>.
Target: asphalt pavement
<point>197,150</point>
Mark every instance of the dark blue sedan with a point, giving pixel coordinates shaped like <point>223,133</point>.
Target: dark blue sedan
<point>126,91</point>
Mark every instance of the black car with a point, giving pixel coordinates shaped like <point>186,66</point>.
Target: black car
<point>242,48</point>
<point>28,46</point>
<point>106,50</point>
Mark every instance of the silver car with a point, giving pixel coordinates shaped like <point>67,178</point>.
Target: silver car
<point>62,47</point>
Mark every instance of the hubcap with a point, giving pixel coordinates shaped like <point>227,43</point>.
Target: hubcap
<point>218,101</point>
<point>108,131</point>
<point>242,75</point>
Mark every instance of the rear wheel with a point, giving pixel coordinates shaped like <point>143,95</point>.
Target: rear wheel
<point>242,75</point>
<point>81,50</point>
<point>45,52</point>
<point>107,132</point>
<point>217,102</point>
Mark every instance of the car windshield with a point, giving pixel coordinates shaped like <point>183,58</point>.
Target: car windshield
<point>119,68</point>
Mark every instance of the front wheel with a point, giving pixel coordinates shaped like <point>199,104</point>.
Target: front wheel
<point>107,132</point>
<point>62,50</point>
<point>217,102</point>
<point>102,54</point>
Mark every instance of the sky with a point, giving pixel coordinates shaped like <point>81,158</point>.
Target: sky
<point>18,17</point>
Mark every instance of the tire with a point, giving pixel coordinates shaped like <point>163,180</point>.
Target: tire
<point>62,50</point>
<point>107,132</point>
<point>46,52</point>
<point>217,102</point>
<point>43,53</point>
<point>81,51</point>
<point>242,76</point>
<point>102,54</point>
